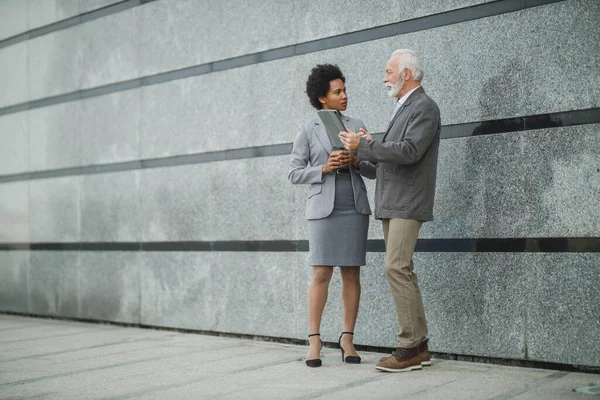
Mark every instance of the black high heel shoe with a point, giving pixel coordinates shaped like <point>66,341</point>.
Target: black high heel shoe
<point>317,361</point>
<point>349,359</point>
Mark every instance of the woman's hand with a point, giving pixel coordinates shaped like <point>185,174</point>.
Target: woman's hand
<point>346,158</point>
<point>333,163</point>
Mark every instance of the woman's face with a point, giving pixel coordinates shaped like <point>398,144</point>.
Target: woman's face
<point>336,98</point>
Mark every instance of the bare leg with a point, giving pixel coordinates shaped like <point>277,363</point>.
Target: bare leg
<point>351,299</point>
<point>317,297</point>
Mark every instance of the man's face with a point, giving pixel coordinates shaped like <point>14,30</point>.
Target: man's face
<point>391,80</point>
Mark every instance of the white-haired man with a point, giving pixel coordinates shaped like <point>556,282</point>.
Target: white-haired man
<point>407,165</point>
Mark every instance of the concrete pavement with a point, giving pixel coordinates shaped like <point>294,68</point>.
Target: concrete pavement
<point>51,359</point>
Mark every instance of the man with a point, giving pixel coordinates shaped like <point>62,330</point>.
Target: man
<point>407,158</point>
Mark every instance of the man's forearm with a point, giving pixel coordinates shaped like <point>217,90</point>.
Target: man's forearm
<point>391,152</point>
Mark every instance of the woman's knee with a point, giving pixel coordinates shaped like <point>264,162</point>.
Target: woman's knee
<point>322,275</point>
<point>350,274</point>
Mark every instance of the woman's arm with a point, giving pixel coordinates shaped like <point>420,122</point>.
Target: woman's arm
<point>300,172</point>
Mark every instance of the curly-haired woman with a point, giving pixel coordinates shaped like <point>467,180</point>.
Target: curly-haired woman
<point>337,209</point>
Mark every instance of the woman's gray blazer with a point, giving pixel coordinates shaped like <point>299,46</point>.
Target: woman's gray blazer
<point>310,152</point>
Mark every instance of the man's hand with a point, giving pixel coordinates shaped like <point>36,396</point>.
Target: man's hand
<point>350,140</point>
<point>365,134</point>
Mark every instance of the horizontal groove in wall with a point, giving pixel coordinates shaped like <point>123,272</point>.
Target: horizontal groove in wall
<point>380,32</point>
<point>517,124</point>
<point>465,245</point>
<point>72,21</point>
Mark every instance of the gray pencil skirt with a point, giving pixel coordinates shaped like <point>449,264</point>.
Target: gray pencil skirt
<point>341,238</point>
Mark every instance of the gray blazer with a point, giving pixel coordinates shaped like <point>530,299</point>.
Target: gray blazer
<point>311,151</point>
<point>407,158</point>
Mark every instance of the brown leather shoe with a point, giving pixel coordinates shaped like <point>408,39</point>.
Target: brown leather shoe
<point>423,353</point>
<point>402,360</point>
<point>382,359</point>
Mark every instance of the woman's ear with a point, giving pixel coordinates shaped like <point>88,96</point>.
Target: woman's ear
<point>322,100</point>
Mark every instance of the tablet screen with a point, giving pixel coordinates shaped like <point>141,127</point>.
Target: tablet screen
<point>333,125</point>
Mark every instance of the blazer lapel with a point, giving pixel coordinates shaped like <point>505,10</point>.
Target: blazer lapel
<point>410,99</point>
<point>321,134</point>
<point>392,121</point>
<point>395,118</point>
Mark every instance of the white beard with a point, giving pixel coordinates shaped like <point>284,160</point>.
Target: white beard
<point>393,90</point>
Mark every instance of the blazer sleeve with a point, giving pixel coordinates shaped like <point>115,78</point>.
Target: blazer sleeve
<point>420,132</point>
<point>300,172</point>
<point>366,168</point>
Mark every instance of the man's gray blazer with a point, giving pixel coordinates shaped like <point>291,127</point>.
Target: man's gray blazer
<point>311,151</point>
<point>407,158</point>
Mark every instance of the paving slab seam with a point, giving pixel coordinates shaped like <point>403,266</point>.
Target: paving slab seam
<point>197,380</point>
<point>443,384</point>
<point>56,336</point>
<point>48,377</point>
<point>530,385</point>
<point>360,382</point>
<point>14,328</point>
<point>50,330</point>
<point>84,348</point>
<point>143,349</point>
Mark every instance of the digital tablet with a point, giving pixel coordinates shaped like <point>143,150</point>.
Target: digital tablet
<point>333,125</point>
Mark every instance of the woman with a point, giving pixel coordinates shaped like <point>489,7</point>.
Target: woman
<point>337,209</point>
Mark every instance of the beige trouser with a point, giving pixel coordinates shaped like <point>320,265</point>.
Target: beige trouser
<point>400,239</point>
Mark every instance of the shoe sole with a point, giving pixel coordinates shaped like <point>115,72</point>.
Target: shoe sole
<point>411,368</point>
<point>423,363</point>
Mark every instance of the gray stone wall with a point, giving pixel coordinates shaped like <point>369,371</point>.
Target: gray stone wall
<point>170,121</point>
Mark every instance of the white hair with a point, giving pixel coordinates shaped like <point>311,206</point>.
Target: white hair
<point>409,59</point>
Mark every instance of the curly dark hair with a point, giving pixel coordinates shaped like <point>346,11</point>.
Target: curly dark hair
<point>317,84</point>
